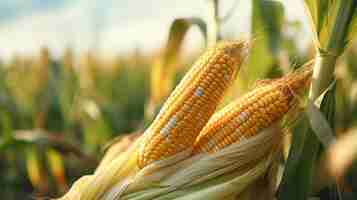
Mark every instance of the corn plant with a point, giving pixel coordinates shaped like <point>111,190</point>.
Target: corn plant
<point>172,161</point>
<point>333,27</point>
<point>274,139</point>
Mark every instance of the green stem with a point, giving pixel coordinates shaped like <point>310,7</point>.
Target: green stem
<point>332,48</point>
<point>323,74</point>
<point>213,23</point>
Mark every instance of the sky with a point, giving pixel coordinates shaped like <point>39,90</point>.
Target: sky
<point>112,26</point>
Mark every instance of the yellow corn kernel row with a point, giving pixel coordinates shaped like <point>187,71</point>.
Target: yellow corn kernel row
<point>192,103</point>
<point>255,111</point>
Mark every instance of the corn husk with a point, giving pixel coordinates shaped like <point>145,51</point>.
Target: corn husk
<point>116,147</point>
<point>224,174</point>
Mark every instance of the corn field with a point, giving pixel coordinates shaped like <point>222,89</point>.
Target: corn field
<point>245,117</point>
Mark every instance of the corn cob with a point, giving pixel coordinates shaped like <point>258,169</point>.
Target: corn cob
<point>258,109</point>
<point>192,103</point>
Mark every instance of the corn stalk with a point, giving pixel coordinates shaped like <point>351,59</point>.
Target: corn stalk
<point>330,45</point>
<point>332,22</point>
<point>213,22</point>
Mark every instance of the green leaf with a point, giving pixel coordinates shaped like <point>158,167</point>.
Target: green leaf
<point>352,32</point>
<point>318,122</point>
<point>267,21</point>
<point>333,23</point>
<point>296,181</point>
<point>320,125</point>
<point>96,130</point>
<point>317,17</point>
<point>328,104</point>
<point>6,126</point>
<point>300,167</point>
<point>67,88</point>
<point>178,30</point>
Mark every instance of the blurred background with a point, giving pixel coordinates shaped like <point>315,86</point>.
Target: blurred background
<point>112,27</point>
<point>74,74</point>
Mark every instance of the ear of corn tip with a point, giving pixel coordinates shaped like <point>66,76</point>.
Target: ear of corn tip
<point>255,111</point>
<point>192,102</point>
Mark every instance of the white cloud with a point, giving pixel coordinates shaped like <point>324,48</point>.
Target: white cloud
<point>53,28</point>
<point>122,25</point>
